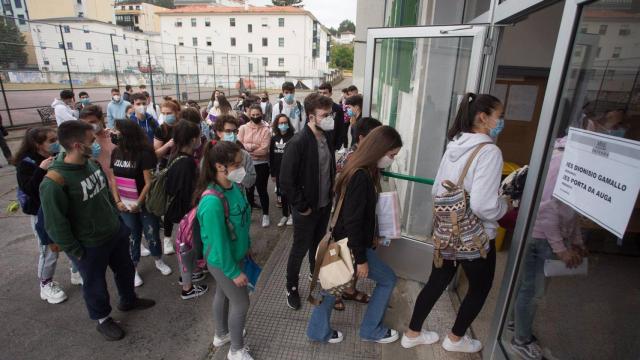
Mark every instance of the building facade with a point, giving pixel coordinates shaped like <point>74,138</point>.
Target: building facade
<point>179,3</point>
<point>101,10</point>
<point>18,10</point>
<point>345,38</point>
<point>137,16</point>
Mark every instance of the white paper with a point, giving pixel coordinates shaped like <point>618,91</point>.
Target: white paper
<point>388,215</point>
<point>500,91</point>
<point>599,177</point>
<point>558,268</point>
<point>521,103</point>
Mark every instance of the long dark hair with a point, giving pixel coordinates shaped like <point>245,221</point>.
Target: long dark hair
<point>215,152</point>
<point>133,140</point>
<point>470,106</point>
<point>223,105</point>
<point>32,138</point>
<point>183,134</point>
<point>372,148</point>
<point>275,124</point>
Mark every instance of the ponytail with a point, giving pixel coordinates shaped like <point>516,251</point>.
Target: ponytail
<point>470,106</point>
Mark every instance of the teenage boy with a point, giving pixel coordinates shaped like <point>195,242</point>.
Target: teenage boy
<point>128,90</point>
<point>340,129</point>
<point>64,107</point>
<point>83,221</point>
<point>117,108</point>
<point>267,108</point>
<point>289,106</point>
<point>352,90</point>
<point>306,177</point>
<point>142,117</point>
<point>84,100</point>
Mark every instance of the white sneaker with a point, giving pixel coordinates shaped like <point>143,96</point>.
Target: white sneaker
<point>224,339</point>
<point>283,221</point>
<point>389,337</point>
<point>465,345</point>
<point>52,293</point>
<point>242,354</point>
<point>168,246</point>
<point>265,221</point>
<point>164,268</point>
<point>290,221</point>
<point>137,280</point>
<point>144,251</point>
<point>336,337</point>
<point>425,338</point>
<point>76,278</point>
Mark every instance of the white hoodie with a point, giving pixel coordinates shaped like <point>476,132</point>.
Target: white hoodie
<point>483,178</point>
<point>63,112</point>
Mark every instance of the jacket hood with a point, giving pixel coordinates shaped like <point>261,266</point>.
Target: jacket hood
<point>59,164</point>
<point>57,102</point>
<point>464,143</point>
<point>253,125</point>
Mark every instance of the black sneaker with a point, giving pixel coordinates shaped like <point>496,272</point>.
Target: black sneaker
<point>138,304</point>
<point>110,330</point>
<point>195,277</point>
<point>293,298</point>
<point>195,291</point>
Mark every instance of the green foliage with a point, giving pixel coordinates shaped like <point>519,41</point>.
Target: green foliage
<point>333,31</point>
<point>12,46</point>
<point>285,2</point>
<point>347,25</point>
<point>164,3</point>
<point>342,56</point>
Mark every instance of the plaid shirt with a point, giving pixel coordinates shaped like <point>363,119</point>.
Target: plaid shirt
<point>342,160</point>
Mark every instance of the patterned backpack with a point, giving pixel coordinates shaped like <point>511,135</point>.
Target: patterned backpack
<point>458,234</point>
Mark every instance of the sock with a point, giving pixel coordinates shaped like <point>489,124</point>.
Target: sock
<point>100,321</point>
<point>45,282</point>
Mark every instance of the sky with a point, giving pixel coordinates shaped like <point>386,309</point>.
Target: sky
<point>329,12</point>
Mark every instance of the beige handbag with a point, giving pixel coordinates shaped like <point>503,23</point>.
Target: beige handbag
<point>334,262</point>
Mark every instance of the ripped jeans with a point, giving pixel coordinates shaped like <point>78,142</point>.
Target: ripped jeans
<point>146,223</point>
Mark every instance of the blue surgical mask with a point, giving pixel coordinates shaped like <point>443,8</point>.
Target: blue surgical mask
<point>289,98</point>
<point>350,112</point>
<point>617,132</point>
<point>54,148</point>
<point>283,127</point>
<point>95,150</point>
<point>229,137</point>
<point>170,119</point>
<point>498,129</point>
<point>85,101</point>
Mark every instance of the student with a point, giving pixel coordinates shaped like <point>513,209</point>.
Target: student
<point>117,108</point>
<point>142,117</point>
<point>340,130</point>
<point>152,108</point>
<point>306,176</point>
<point>93,116</point>
<point>221,107</point>
<point>84,100</point>
<point>479,121</point>
<point>6,151</point>
<point>227,129</point>
<point>256,138</point>
<point>239,106</point>
<point>163,137</point>
<point>282,133</point>
<point>362,128</point>
<point>128,91</point>
<point>181,181</point>
<point>352,90</point>
<point>267,108</point>
<point>193,115</point>
<point>64,107</point>
<point>354,111</point>
<point>131,163</point>
<point>83,221</point>
<point>32,160</point>
<point>214,98</point>
<point>347,118</point>
<point>358,187</point>
<point>129,112</point>
<point>226,242</point>
<point>142,88</point>
<point>291,107</point>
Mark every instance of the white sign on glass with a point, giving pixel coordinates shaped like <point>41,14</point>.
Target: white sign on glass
<point>521,103</point>
<point>600,177</point>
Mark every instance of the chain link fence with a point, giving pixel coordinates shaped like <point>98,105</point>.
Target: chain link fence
<point>41,59</point>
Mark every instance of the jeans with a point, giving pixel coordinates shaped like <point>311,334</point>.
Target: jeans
<point>371,328</point>
<point>93,266</point>
<point>139,223</point>
<point>307,233</point>
<point>262,179</point>
<point>531,287</point>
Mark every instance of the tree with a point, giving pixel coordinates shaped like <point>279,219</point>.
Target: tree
<point>286,2</point>
<point>333,31</point>
<point>164,3</point>
<point>12,46</point>
<point>342,56</point>
<point>347,25</point>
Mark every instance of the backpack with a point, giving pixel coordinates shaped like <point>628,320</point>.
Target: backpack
<point>27,204</point>
<point>280,106</point>
<point>157,200</point>
<point>458,234</point>
<point>188,240</point>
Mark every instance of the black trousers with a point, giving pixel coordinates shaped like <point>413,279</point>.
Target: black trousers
<point>5,148</point>
<point>286,210</point>
<point>479,272</point>
<point>307,233</point>
<point>262,179</point>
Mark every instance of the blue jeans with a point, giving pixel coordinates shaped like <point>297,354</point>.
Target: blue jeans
<point>371,328</point>
<point>139,223</point>
<point>531,287</point>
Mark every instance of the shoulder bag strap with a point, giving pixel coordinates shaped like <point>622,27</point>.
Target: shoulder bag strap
<point>55,177</point>
<point>468,164</point>
<point>225,205</point>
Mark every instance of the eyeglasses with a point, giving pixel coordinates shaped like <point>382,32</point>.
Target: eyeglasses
<point>229,131</point>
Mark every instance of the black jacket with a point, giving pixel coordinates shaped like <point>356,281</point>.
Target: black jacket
<point>339,132</point>
<point>30,175</point>
<point>181,183</point>
<point>300,171</point>
<point>357,219</point>
<point>276,150</point>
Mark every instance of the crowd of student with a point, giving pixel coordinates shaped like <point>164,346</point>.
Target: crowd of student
<point>89,186</point>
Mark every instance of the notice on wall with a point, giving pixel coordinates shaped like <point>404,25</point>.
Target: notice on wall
<point>521,103</point>
<point>600,178</point>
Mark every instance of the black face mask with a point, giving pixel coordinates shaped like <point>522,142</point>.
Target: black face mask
<point>265,99</point>
<point>256,119</point>
<point>115,139</point>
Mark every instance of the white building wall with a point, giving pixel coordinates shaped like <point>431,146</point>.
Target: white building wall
<point>20,13</point>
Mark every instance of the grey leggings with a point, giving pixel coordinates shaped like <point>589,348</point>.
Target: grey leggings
<point>48,259</point>
<point>230,306</point>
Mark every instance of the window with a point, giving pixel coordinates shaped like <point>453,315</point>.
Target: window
<point>616,52</point>
<point>180,41</point>
<point>115,48</point>
<point>45,61</point>
<point>181,57</point>
<point>61,45</point>
<point>85,29</point>
<point>18,4</point>
<point>280,61</point>
<point>584,30</point>
<point>66,29</point>
<point>194,41</point>
<point>194,23</point>
<point>207,22</point>
<point>179,23</point>
<point>126,51</point>
<point>80,14</point>
<point>209,41</point>
<point>249,28</point>
<point>88,45</point>
<point>64,63</point>
<point>281,22</point>
<point>138,52</point>
<point>250,67</point>
<point>281,42</point>
<point>122,7</point>
<point>232,22</point>
<point>265,61</point>
<point>598,52</point>
<point>265,42</point>
<point>250,48</point>
<point>233,41</point>
<point>624,30</point>
<point>233,60</point>
<point>603,29</point>
<point>137,7</point>
<point>130,7</point>
<point>69,46</point>
<point>21,19</point>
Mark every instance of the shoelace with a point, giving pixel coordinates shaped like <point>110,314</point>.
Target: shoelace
<point>53,286</point>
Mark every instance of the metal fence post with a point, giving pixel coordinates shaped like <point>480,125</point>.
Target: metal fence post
<point>6,103</point>
<point>240,81</point>
<point>198,75</point>
<point>153,94</point>
<point>175,54</point>
<point>115,62</point>
<point>66,59</point>
<point>228,76</point>
<point>213,63</point>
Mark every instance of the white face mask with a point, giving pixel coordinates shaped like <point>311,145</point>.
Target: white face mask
<point>216,103</point>
<point>116,98</point>
<point>140,109</point>
<point>385,162</point>
<point>327,124</point>
<point>236,175</point>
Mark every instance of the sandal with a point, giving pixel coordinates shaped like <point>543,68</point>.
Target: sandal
<point>357,296</point>
<point>339,305</point>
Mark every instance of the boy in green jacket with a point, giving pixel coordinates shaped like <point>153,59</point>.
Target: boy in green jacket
<point>81,218</point>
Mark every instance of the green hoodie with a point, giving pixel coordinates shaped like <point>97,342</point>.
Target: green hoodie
<point>220,251</point>
<point>79,213</point>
